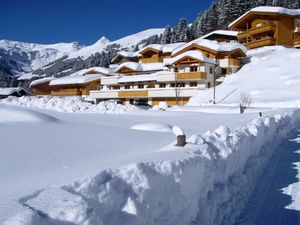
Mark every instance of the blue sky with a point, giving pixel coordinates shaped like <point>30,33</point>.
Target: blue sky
<point>85,21</point>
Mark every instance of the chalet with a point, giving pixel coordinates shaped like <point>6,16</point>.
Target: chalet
<point>266,26</point>
<point>77,84</point>
<point>222,36</point>
<point>173,75</point>
<point>123,57</point>
<point>14,91</point>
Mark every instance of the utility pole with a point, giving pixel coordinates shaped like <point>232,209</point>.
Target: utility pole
<point>215,68</point>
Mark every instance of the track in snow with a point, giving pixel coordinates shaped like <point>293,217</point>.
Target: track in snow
<point>267,206</point>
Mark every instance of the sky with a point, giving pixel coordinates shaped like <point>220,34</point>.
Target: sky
<point>86,21</point>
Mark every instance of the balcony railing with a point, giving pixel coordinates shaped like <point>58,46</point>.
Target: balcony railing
<point>297,41</point>
<point>261,43</point>
<point>66,92</point>
<point>191,76</point>
<point>269,27</point>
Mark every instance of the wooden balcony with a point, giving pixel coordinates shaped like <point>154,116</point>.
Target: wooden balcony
<point>66,92</point>
<point>132,94</point>
<point>234,62</point>
<point>243,35</point>
<point>297,41</point>
<point>39,93</point>
<point>269,28</point>
<point>191,76</point>
<point>260,43</point>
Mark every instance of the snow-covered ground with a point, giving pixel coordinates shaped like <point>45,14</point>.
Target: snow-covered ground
<point>44,152</point>
<point>67,104</point>
<point>271,79</point>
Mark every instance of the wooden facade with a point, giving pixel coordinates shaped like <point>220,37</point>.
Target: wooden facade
<point>258,29</point>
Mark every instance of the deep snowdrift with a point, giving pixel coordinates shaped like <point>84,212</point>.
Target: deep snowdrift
<point>211,186</point>
<point>272,79</point>
<point>67,104</point>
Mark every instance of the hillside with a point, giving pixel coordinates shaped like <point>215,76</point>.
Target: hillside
<point>271,79</point>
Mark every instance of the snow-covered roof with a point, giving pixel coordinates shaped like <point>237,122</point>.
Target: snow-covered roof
<point>221,32</point>
<point>41,81</point>
<point>135,66</point>
<point>167,48</point>
<point>9,91</point>
<point>76,79</point>
<point>269,9</point>
<point>96,70</point>
<point>125,54</point>
<point>213,45</point>
<point>193,54</point>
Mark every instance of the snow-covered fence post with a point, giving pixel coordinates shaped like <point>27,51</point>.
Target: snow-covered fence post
<point>181,138</point>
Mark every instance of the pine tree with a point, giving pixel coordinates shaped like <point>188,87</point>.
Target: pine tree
<point>166,36</point>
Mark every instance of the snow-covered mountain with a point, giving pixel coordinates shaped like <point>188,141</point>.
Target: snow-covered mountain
<point>25,57</point>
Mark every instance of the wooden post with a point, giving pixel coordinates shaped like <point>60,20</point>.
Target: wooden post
<point>181,140</point>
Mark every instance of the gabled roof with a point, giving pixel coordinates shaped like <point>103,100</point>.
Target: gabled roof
<point>95,70</point>
<point>124,54</point>
<point>141,67</point>
<point>9,91</point>
<point>221,32</point>
<point>41,81</point>
<point>167,48</point>
<point>197,55</point>
<point>267,10</point>
<point>214,46</point>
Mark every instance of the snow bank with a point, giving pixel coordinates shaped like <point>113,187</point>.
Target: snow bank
<point>158,127</point>
<point>68,104</point>
<point>209,187</point>
<point>271,80</point>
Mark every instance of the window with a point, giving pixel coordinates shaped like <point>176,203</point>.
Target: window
<point>127,86</point>
<point>175,69</point>
<point>193,84</point>
<point>211,70</point>
<point>140,86</point>
<point>162,85</point>
<point>116,87</point>
<point>194,68</point>
<point>172,84</point>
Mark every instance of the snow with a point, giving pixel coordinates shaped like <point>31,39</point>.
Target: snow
<point>221,32</point>
<point>137,78</point>
<point>193,54</point>
<point>67,104</point>
<point>76,79</point>
<point>269,9</point>
<point>177,131</point>
<point>41,81</point>
<point>38,54</point>
<point>126,55</point>
<point>126,42</point>
<point>101,70</point>
<point>214,45</point>
<point>158,127</point>
<point>272,80</point>
<point>207,182</point>
<point>9,91</point>
<point>166,48</point>
<point>139,67</point>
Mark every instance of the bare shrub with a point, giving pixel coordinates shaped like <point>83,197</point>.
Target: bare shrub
<point>244,101</point>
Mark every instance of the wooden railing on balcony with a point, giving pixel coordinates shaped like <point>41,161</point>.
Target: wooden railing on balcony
<point>234,62</point>
<point>263,29</point>
<point>132,94</point>
<point>261,43</point>
<point>36,93</point>
<point>66,92</point>
<point>191,76</point>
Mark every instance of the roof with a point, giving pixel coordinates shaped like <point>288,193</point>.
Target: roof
<point>76,79</point>
<point>140,67</point>
<point>94,70</point>
<point>167,48</point>
<point>125,54</point>
<point>221,32</point>
<point>193,54</point>
<point>9,91</point>
<point>268,9</point>
<point>213,45</point>
<point>41,81</point>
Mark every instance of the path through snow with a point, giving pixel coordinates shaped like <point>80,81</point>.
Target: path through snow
<point>273,200</point>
